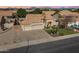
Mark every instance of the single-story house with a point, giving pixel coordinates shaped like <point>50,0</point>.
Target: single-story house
<point>72,17</point>
<point>38,21</point>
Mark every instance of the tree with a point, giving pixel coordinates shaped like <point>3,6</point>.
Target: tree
<point>36,11</point>
<point>3,20</point>
<point>76,10</point>
<point>45,9</point>
<point>21,12</point>
<point>16,22</point>
<point>49,24</point>
<point>44,20</point>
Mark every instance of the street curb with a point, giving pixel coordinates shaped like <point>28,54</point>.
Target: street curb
<point>34,42</point>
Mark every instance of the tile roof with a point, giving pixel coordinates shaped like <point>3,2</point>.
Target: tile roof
<point>33,18</point>
<point>48,14</point>
<point>6,12</point>
<point>66,13</point>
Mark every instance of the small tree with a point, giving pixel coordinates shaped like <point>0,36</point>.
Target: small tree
<point>16,22</point>
<point>36,11</point>
<point>49,24</point>
<point>44,20</point>
<point>3,20</point>
<point>21,12</point>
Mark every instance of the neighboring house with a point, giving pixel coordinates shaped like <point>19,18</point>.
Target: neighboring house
<point>7,12</point>
<point>69,18</point>
<point>8,16</point>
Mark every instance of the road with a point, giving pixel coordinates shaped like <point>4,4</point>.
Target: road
<point>70,45</point>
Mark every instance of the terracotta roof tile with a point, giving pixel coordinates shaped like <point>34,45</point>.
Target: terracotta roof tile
<point>6,12</point>
<point>33,18</point>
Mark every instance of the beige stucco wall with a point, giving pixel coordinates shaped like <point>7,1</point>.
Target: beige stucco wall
<point>52,22</point>
<point>32,26</point>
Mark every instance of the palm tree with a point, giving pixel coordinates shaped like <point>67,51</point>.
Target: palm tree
<point>44,20</point>
<point>49,24</point>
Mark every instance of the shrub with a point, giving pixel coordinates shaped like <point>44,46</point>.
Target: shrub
<point>61,33</point>
<point>21,12</point>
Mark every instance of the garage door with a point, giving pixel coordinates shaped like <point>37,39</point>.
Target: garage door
<point>32,27</point>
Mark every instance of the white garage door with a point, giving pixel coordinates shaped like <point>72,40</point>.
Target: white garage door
<point>32,27</point>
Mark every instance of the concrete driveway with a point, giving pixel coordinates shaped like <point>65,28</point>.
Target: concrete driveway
<point>13,37</point>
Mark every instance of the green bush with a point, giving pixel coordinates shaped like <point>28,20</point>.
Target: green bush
<point>61,34</point>
<point>48,30</point>
<point>36,11</point>
<point>21,12</point>
<point>66,31</point>
<point>60,31</point>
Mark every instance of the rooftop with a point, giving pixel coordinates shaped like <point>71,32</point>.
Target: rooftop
<point>6,12</point>
<point>66,13</point>
<point>33,18</point>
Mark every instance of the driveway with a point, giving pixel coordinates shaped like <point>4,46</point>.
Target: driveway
<point>13,37</point>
